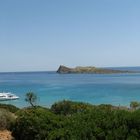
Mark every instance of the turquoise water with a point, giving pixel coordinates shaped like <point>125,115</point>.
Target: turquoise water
<point>115,89</point>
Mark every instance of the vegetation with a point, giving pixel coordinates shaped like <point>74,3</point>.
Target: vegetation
<point>134,105</point>
<point>9,107</point>
<point>31,98</point>
<point>6,119</point>
<point>67,120</point>
<point>34,124</point>
<point>69,107</point>
<point>64,69</point>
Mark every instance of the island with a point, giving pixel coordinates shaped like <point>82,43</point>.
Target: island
<point>91,70</point>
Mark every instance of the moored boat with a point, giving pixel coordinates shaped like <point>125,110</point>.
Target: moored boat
<point>7,96</point>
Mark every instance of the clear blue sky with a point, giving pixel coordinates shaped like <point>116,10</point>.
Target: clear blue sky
<point>42,34</point>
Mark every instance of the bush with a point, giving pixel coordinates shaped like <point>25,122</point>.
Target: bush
<point>69,107</point>
<point>9,107</point>
<point>77,121</point>
<point>6,119</point>
<point>134,105</point>
<point>34,124</point>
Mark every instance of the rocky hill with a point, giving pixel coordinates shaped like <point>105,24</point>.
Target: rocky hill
<point>94,70</point>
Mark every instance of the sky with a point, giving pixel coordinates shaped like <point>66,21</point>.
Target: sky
<point>40,35</point>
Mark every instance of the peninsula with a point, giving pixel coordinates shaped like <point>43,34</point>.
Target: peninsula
<point>65,70</point>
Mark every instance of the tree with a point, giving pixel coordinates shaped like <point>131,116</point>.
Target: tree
<point>134,105</point>
<point>31,98</point>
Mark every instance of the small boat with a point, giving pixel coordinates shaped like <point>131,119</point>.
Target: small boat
<point>7,96</point>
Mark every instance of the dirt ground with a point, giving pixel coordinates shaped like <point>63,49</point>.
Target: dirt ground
<point>5,135</point>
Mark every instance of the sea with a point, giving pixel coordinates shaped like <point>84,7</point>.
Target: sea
<point>51,87</point>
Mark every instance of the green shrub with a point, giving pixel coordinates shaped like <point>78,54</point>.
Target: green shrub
<point>134,105</point>
<point>9,107</point>
<point>77,121</point>
<point>34,124</point>
<point>69,107</point>
<point>6,119</point>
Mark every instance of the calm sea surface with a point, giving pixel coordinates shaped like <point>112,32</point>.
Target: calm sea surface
<point>115,89</point>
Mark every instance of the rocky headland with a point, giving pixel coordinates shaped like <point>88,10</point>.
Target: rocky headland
<point>65,70</point>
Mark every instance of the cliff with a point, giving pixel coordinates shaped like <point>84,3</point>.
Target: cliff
<point>94,70</point>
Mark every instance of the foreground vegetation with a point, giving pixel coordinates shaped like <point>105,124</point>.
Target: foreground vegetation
<point>67,120</point>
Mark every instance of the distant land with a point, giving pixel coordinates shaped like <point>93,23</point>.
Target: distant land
<point>65,70</point>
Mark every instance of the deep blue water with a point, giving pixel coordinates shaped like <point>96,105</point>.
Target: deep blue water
<point>115,89</point>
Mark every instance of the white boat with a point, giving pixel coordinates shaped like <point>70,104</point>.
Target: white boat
<point>7,96</point>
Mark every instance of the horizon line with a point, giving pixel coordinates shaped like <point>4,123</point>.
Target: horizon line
<point>37,71</point>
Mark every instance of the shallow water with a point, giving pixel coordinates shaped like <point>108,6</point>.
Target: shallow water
<point>115,89</point>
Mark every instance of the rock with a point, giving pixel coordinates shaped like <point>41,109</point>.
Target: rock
<point>64,69</point>
<point>5,135</point>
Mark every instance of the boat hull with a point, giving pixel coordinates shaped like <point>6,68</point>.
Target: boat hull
<point>5,96</point>
<point>4,99</point>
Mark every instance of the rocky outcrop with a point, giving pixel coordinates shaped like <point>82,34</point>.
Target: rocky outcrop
<point>64,69</point>
<point>94,70</point>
